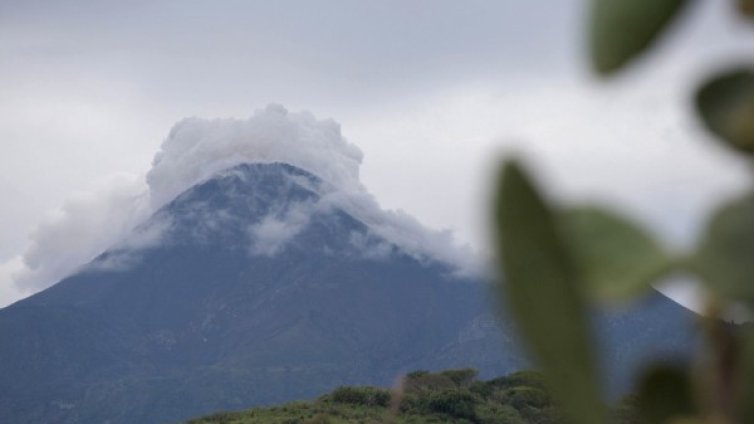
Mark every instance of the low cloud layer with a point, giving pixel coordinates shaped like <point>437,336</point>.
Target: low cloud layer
<point>197,149</point>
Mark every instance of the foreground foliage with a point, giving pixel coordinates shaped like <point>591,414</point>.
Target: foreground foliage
<point>558,262</point>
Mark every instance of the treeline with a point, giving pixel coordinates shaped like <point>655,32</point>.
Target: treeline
<point>453,396</point>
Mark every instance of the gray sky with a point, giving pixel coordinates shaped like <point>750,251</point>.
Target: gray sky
<point>433,92</point>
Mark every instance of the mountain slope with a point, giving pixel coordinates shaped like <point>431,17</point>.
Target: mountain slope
<point>255,287</point>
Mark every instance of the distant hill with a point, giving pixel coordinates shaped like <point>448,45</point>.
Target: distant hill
<point>255,287</point>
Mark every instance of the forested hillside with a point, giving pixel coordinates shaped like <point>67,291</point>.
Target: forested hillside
<point>453,396</point>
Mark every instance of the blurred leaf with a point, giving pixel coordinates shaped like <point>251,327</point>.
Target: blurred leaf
<point>622,29</point>
<point>746,8</point>
<point>745,400</point>
<point>616,258</point>
<point>545,296</point>
<point>665,393</point>
<point>726,105</point>
<point>725,256</point>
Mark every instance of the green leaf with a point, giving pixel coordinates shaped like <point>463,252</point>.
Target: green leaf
<point>665,393</point>
<point>616,258</point>
<point>725,255</point>
<point>622,29</point>
<point>544,295</point>
<point>726,105</point>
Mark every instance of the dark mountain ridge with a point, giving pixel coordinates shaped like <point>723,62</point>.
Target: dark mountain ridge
<point>246,290</point>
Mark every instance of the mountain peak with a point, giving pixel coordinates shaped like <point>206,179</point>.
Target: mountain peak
<point>261,207</point>
<point>198,151</point>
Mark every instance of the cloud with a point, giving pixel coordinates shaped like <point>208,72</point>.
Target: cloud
<point>196,149</point>
<point>85,226</point>
<point>9,292</point>
<point>404,231</point>
<point>270,235</point>
<point>387,230</point>
<point>370,247</point>
<point>126,252</point>
<point>113,215</point>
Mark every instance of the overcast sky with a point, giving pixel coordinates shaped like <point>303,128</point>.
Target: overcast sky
<point>433,92</point>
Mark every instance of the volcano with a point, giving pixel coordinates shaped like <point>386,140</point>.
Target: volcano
<point>264,283</point>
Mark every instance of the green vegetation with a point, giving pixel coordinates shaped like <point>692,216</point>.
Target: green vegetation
<point>453,396</point>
